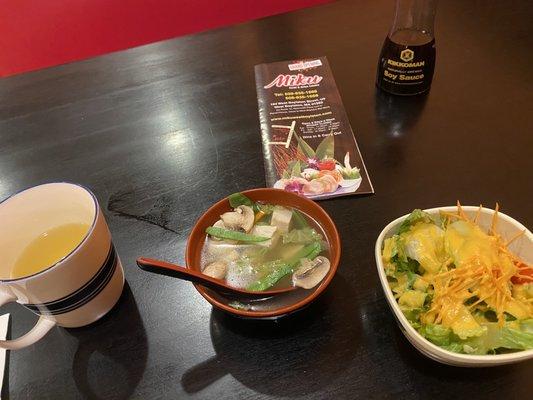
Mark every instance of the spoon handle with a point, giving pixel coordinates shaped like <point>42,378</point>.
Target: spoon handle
<point>165,268</point>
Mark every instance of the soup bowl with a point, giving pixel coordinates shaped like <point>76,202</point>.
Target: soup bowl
<point>275,306</point>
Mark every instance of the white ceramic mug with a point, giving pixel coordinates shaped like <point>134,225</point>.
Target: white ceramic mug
<point>81,287</point>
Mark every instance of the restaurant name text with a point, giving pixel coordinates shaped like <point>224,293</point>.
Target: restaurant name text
<point>293,80</point>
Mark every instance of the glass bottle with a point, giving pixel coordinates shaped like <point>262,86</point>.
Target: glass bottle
<point>407,58</point>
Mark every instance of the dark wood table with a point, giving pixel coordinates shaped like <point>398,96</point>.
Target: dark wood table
<point>162,131</point>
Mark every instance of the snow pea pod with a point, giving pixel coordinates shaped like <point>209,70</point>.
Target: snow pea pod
<point>279,268</point>
<point>222,233</point>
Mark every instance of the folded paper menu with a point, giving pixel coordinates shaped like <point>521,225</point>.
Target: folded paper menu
<point>308,143</point>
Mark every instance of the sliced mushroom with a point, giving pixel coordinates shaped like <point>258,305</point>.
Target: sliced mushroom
<point>218,224</point>
<point>248,218</point>
<point>216,270</point>
<point>241,218</point>
<point>232,219</point>
<point>311,273</point>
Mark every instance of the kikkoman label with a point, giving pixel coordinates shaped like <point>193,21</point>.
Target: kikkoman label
<point>407,55</point>
<point>308,144</point>
<point>406,69</point>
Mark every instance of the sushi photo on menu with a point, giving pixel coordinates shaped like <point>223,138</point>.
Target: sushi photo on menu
<point>308,144</point>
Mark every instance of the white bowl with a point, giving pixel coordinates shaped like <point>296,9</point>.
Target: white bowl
<point>523,247</point>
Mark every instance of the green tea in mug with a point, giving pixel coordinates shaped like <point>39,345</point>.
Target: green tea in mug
<point>49,248</point>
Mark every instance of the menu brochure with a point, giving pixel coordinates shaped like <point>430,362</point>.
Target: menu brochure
<point>308,144</point>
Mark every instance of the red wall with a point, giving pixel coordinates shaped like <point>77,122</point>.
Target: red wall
<point>36,34</point>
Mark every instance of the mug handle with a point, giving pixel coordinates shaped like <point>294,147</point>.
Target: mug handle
<point>40,329</point>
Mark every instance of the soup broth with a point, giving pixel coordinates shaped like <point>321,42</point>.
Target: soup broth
<point>280,248</point>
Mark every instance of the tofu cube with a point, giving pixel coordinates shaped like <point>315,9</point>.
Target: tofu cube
<point>281,217</point>
<point>270,232</point>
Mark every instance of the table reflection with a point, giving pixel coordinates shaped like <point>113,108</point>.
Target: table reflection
<point>398,114</point>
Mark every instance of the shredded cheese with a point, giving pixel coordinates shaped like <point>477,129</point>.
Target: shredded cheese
<point>483,267</point>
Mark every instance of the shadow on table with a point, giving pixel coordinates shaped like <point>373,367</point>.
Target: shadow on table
<point>112,352</point>
<point>293,356</point>
<point>475,377</point>
<point>406,371</point>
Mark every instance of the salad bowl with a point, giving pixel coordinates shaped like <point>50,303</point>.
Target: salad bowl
<point>521,247</point>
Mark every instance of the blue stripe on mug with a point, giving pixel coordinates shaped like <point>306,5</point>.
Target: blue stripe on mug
<point>84,294</point>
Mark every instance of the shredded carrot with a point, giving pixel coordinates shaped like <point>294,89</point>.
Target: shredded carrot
<point>448,214</point>
<point>492,230</point>
<point>461,212</point>
<point>473,278</point>
<point>260,214</point>
<point>519,234</point>
<point>482,271</point>
<point>478,213</point>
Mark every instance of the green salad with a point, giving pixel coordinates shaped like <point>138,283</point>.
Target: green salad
<point>459,286</point>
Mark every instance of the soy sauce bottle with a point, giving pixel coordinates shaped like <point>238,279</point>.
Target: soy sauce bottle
<point>407,58</point>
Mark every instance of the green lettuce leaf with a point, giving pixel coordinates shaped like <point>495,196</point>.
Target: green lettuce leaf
<point>494,340</point>
<point>394,251</point>
<point>526,325</point>
<point>413,315</point>
<point>408,265</point>
<point>299,219</point>
<point>267,209</point>
<point>437,334</point>
<point>239,199</point>
<point>515,339</point>
<point>455,347</point>
<point>413,218</point>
